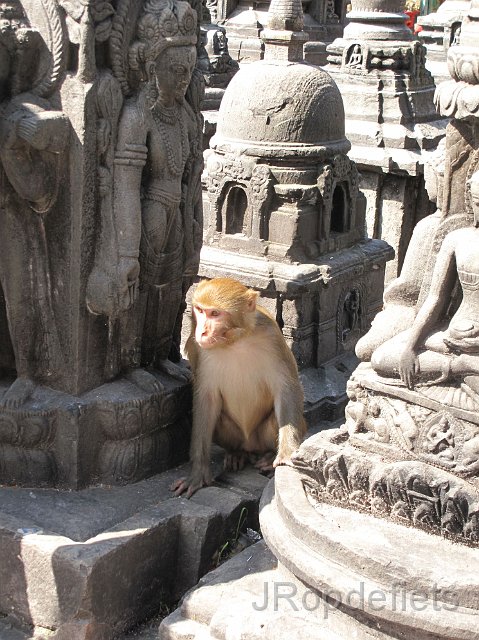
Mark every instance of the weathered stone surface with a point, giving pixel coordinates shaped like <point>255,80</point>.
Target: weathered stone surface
<point>98,250</point>
<point>441,30</point>
<point>90,564</point>
<point>245,25</point>
<point>335,585</point>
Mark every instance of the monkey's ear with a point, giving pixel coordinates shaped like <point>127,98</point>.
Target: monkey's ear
<point>251,297</point>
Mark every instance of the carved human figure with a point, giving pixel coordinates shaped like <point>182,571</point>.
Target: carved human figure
<point>32,135</point>
<point>434,351</point>
<point>356,57</point>
<point>158,164</point>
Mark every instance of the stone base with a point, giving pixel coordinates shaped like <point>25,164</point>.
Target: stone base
<point>114,434</point>
<point>89,565</point>
<point>340,575</point>
<point>325,389</point>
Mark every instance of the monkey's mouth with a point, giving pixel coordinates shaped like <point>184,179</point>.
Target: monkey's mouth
<point>208,342</point>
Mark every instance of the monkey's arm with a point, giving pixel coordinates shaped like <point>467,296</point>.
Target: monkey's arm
<point>288,403</point>
<point>288,407</point>
<point>206,411</point>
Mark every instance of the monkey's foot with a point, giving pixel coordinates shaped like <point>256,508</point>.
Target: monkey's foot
<point>174,370</point>
<point>235,460</point>
<point>18,393</point>
<point>146,381</point>
<point>266,463</point>
<point>190,484</point>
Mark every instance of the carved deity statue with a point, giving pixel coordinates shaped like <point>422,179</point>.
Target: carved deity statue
<point>157,189</point>
<point>356,57</point>
<point>32,136</point>
<point>434,350</point>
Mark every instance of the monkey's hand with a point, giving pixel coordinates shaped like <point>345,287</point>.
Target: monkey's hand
<point>192,483</point>
<point>282,460</point>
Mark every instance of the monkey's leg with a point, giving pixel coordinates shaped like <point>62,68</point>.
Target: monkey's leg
<point>266,436</point>
<point>229,436</point>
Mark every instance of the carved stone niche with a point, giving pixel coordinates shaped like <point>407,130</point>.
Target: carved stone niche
<point>77,404</point>
<point>294,210</point>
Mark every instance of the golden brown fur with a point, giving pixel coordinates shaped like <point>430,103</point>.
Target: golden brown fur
<point>247,394</point>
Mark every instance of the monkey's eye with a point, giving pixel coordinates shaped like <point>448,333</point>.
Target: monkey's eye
<point>215,313</point>
<point>199,310</point>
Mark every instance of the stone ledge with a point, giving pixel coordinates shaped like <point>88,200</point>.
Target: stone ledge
<point>91,564</point>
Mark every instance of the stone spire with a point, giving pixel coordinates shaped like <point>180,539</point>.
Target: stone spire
<point>284,36</point>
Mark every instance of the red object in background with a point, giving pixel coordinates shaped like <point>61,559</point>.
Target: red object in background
<point>411,21</point>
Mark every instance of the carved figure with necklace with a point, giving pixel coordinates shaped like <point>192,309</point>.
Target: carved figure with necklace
<point>158,161</point>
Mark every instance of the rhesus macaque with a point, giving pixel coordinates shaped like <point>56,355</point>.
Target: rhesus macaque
<point>247,394</point>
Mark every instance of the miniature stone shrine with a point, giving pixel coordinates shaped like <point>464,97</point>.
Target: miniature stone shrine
<point>283,210</point>
<point>101,233</point>
<point>441,30</point>
<point>391,119</point>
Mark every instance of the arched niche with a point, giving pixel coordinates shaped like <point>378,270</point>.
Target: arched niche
<point>340,214</point>
<point>236,211</point>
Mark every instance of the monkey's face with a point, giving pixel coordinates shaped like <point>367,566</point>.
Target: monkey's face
<point>212,327</point>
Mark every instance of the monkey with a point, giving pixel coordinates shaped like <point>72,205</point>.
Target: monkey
<point>247,396</point>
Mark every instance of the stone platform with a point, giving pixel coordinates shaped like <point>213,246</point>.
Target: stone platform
<point>113,434</point>
<point>339,575</point>
<point>93,563</point>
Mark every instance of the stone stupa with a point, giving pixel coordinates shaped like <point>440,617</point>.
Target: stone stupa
<point>391,119</point>
<point>283,211</point>
<point>440,31</point>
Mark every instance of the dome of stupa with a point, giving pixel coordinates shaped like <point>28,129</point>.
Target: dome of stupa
<point>280,107</point>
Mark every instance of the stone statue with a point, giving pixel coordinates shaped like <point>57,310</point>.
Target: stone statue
<point>356,57</point>
<point>32,137</point>
<point>157,189</point>
<point>432,352</point>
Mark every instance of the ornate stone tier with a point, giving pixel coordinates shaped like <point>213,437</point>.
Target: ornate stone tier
<point>391,120</point>
<point>407,456</point>
<point>387,580</point>
<point>129,435</point>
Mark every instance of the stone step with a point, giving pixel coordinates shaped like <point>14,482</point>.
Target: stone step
<point>92,563</point>
<point>230,602</point>
<point>9,632</point>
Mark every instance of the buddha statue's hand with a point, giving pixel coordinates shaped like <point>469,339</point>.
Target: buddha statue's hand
<point>408,367</point>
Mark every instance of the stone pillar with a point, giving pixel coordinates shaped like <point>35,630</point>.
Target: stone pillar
<point>89,312</point>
